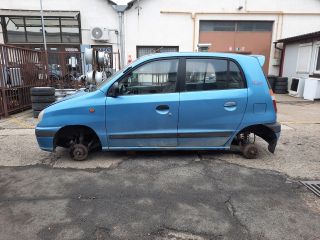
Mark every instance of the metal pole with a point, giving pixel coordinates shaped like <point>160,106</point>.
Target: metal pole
<point>43,30</point>
<point>46,72</point>
<point>121,39</point>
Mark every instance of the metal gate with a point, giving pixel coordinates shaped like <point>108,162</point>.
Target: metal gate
<point>20,69</point>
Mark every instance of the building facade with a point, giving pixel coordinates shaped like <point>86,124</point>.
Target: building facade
<point>301,56</point>
<point>240,26</point>
<point>69,27</point>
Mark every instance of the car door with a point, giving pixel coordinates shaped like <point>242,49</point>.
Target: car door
<point>212,102</point>
<point>145,113</point>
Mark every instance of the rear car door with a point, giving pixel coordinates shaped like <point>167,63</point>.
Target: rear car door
<point>145,114</point>
<point>213,100</point>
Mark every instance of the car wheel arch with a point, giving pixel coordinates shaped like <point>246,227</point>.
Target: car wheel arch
<point>63,134</point>
<point>263,132</point>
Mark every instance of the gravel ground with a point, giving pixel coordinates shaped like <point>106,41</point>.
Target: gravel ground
<point>162,195</point>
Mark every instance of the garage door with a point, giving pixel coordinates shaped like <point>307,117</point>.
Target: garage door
<point>245,37</point>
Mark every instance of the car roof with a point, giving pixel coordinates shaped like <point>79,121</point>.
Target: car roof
<point>237,57</point>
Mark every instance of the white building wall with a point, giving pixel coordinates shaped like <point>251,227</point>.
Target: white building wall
<point>151,27</point>
<point>180,27</point>
<point>291,57</point>
<point>290,61</point>
<point>93,13</point>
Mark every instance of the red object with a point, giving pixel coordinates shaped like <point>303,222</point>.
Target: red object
<point>273,100</point>
<point>129,59</point>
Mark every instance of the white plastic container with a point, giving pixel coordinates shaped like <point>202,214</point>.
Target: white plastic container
<point>311,89</point>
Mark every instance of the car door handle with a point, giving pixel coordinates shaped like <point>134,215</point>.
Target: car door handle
<point>162,108</point>
<point>230,104</point>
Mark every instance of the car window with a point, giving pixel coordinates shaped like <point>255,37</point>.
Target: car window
<point>212,74</point>
<point>235,77</point>
<point>151,78</point>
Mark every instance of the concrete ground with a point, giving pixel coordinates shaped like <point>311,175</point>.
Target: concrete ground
<point>162,195</point>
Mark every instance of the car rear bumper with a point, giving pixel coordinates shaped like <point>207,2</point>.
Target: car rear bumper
<point>45,138</point>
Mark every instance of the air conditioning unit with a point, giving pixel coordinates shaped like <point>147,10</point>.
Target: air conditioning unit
<point>100,34</point>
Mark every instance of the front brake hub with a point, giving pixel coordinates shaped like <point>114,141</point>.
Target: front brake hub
<point>79,152</point>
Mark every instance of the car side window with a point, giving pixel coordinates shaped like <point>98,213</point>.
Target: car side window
<point>212,74</point>
<point>235,77</point>
<point>155,77</point>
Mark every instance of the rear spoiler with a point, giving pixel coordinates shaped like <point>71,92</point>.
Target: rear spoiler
<point>261,59</point>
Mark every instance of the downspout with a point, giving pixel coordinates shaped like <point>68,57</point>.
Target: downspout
<point>193,16</point>
<point>283,52</point>
<point>121,39</point>
<point>120,10</point>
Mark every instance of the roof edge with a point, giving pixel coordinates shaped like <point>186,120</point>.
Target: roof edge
<point>300,37</point>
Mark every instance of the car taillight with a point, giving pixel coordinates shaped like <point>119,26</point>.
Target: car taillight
<point>273,97</point>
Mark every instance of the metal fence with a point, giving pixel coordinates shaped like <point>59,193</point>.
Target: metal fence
<point>22,69</point>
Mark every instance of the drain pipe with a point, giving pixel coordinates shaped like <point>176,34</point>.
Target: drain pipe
<point>120,10</point>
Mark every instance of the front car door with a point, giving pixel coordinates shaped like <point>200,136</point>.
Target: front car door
<point>145,113</point>
<point>212,102</point>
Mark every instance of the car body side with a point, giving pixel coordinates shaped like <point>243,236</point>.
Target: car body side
<point>89,109</point>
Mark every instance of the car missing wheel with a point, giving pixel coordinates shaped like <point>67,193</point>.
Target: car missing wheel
<point>168,101</point>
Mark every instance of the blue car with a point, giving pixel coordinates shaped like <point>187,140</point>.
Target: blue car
<point>168,101</point>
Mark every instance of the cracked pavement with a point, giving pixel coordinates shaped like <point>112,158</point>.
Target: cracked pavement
<point>139,198</point>
<point>162,195</point>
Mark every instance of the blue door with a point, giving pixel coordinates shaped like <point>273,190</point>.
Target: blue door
<point>145,114</point>
<point>212,103</point>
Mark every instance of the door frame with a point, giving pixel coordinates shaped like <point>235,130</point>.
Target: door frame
<point>183,90</point>
<point>183,59</point>
<point>180,70</point>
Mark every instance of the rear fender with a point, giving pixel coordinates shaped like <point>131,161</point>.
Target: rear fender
<point>268,132</point>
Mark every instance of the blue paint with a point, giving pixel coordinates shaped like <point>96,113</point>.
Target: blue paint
<point>216,111</point>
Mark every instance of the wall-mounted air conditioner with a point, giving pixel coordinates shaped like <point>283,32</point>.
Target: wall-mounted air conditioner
<point>297,87</point>
<point>100,34</point>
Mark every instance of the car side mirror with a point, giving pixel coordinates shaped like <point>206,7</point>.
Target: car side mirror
<point>114,90</point>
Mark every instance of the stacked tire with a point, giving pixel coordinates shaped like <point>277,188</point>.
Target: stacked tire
<point>272,80</point>
<point>41,97</point>
<point>281,85</point>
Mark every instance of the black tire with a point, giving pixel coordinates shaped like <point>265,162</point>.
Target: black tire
<point>281,84</point>
<point>272,80</point>
<point>282,79</point>
<point>281,88</point>
<point>42,91</point>
<point>280,91</point>
<point>36,113</point>
<point>40,106</point>
<point>43,99</point>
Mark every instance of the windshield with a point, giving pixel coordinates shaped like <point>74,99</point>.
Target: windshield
<point>101,84</point>
<point>116,74</point>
